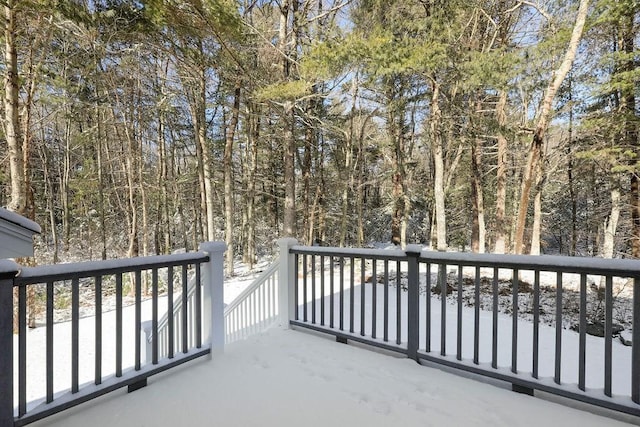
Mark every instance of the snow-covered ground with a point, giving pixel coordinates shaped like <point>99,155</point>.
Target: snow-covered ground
<point>290,378</point>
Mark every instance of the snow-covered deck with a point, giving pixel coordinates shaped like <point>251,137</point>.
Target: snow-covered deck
<point>289,377</point>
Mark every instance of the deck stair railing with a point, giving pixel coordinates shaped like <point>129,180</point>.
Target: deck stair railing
<point>256,308</point>
<point>94,369</point>
<point>171,329</point>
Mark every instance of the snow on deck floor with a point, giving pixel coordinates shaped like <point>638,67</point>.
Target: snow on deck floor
<point>287,378</point>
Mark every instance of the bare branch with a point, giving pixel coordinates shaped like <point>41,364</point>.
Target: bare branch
<point>266,40</point>
<point>329,11</point>
<point>540,10</point>
<point>513,9</point>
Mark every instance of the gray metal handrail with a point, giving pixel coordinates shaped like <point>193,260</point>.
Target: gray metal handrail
<point>397,300</point>
<point>204,336</point>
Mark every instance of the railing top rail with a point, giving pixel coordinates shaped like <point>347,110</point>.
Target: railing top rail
<point>563,264</point>
<point>396,254</point>
<point>8,268</point>
<point>273,268</point>
<point>93,268</point>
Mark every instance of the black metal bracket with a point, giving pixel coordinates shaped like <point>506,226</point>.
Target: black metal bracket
<point>137,386</point>
<point>522,389</point>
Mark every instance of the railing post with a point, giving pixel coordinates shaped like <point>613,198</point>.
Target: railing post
<point>213,295</point>
<point>8,270</point>
<point>413,301</point>
<point>287,282</point>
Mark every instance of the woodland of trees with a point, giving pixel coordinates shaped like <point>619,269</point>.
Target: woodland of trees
<point>139,127</point>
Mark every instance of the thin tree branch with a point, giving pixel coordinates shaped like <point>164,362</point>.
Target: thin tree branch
<point>329,11</point>
<point>537,7</point>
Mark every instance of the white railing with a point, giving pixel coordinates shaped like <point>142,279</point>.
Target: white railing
<point>250,313</point>
<point>255,309</point>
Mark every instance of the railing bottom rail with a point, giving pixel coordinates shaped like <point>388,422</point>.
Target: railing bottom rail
<point>521,381</point>
<point>91,391</point>
<point>343,336</point>
<point>617,403</point>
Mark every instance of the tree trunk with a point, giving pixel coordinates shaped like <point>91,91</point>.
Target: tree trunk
<point>101,198</point>
<point>398,180</point>
<point>628,107</point>
<point>634,201</point>
<point>570,179</point>
<point>163,179</point>
<point>537,219</point>
<point>201,152</point>
<point>289,172</point>
<point>611,225</point>
<point>130,168</point>
<point>344,202</point>
<point>253,118</point>
<point>228,179</point>
<point>501,179</point>
<point>288,119</point>
<point>29,87</point>
<point>439,178</point>
<point>144,205</point>
<point>360,189</point>
<point>18,167</point>
<point>542,124</point>
<point>574,207</point>
<point>479,230</point>
<point>201,135</point>
<point>275,187</point>
<point>65,178</point>
<point>346,170</point>
<point>18,200</point>
<point>50,200</point>
<point>309,144</point>
<point>319,205</point>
